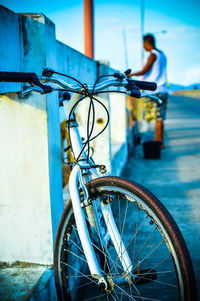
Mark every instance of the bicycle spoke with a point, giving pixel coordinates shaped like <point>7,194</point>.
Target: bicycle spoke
<point>154,280</point>
<point>77,246</point>
<point>157,264</point>
<point>83,275</point>
<point>136,234</point>
<point>163,272</point>
<point>82,285</point>
<point>107,249</point>
<point>104,251</point>
<point>127,203</point>
<point>89,275</point>
<point>119,209</point>
<point>143,298</point>
<point>107,252</point>
<point>150,253</point>
<point>148,273</point>
<point>145,243</point>
<point>114,297</point>
<point>95,297</point>
<point>160,263</point>
<point>130,289</point>
<point>125,292</point>
<point>109,257</point>
<point>133,239</point>
<point>75,255</point>
<point>135,288</point>
<point>121,235</point>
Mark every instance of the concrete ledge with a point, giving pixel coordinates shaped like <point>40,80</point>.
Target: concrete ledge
<point>18,280</point>
<point>45,289</point>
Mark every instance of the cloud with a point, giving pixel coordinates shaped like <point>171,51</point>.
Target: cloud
<point>193,75</point>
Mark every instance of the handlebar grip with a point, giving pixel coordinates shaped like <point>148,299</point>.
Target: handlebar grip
<point>143,85</point>
<point>24,77</point>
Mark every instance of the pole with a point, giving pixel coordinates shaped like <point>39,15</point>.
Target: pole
<point>142,30</point>
<point>89,28</point>
<point>125,47</point>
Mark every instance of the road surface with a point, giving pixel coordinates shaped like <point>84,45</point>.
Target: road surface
<point>175,178</point>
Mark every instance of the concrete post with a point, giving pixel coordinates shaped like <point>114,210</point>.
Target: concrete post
<point>40,45</point>
<point>10,47</point>
<point>119,134</point>
<point>30,159</point>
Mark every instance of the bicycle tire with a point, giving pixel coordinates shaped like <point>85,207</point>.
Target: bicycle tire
<point>160,217</point>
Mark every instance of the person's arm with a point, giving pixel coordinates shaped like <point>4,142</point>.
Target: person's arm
<point>147,67</point>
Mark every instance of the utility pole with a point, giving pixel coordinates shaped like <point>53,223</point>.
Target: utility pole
<point>89,28</point>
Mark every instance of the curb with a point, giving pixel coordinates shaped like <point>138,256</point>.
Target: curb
<point>45,289</point>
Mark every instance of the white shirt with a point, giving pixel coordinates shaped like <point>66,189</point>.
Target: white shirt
<point>158,72</point>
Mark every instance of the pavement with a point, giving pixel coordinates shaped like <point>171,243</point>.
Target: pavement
<point>175,178</point>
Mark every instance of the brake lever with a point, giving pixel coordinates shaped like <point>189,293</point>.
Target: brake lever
<point>134,92</point>
<point>127,72</point>
<point>30,89</point>
<point>154,98</point>
<point>119,76</point>
<point>38,89</point>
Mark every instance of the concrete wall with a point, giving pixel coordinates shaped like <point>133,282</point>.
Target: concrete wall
<point>74,63</point>
<point>31,200</point>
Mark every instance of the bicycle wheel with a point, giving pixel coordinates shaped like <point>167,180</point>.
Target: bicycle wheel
<point>159,256</point>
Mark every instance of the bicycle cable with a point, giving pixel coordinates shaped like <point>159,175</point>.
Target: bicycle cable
<point>86,143</point>
<point>91,106</point>
<point>89,134</point>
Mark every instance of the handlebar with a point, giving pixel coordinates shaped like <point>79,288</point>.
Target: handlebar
<point>77,88</point>
<point>39,82</point>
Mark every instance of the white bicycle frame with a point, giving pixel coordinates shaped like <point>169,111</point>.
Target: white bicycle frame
<point>75,180</point>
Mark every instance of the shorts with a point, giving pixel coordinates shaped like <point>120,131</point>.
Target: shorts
<point>163,107</point>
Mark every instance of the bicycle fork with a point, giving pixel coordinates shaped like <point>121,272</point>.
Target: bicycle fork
<point>84,236</point>
<point>82,227</point>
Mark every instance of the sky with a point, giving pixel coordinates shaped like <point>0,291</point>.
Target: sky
<point>117,19</point>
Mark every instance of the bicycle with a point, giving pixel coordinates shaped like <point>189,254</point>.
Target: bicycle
<point>115,239</point>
